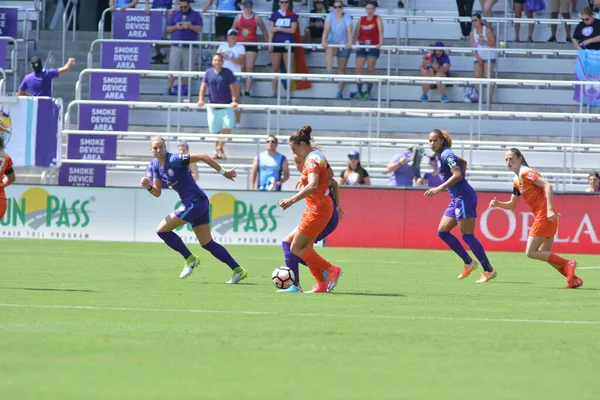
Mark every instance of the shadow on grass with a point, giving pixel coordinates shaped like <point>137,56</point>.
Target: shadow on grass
<point>368,294</point>
<point>223,283</point>
<point>52,289</point>
<point>512,283</point>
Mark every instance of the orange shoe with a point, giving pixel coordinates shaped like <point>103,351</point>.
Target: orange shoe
<point>334,277</point>
<point>487,276</point>
<point>577,282</point>
<point>468,269</point>
<point>320,287</point>
<point>570,270</point>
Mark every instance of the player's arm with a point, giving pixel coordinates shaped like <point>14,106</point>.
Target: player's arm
<point>285,168</point>
<point>463,163</point>
<point>254,173</point>
<point>547,186</point>
<point>194,170</point>
<point>454,179</point>
<point>506,205</point>
<point>394,165</point>
<point>154,188</point>
<point>311,186</point>
<point>9,177</point>
<point>67,66</point>
<point>186,159</point>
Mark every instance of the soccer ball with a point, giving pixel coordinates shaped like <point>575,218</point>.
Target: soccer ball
<point>283,277</point>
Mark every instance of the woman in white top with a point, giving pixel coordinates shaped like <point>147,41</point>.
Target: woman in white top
<point>482,37</point>
<point>337,30</point>
<point>234,58</point>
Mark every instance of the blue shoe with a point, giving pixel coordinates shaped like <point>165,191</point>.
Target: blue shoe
<point>291,289</point>
<point>326,275</point>
<point>445,99</point>
<point>355,95</point>
<point>339,96</point>
<point>184,90</point>
<point>424,98</point>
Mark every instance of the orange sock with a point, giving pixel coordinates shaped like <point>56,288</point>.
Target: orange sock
<point>557,260</point>
<point>317,273</point>
<point>562,271</point>
<point>316,263</point>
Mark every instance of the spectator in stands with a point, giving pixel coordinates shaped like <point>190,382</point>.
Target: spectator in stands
<point>163,5</point>
<point>518,6</point>
<point>556,6</point>
<point>432,178</point>
<point>587,32</point>
<point>184,148</point>
<point>594,5</point>
<point>234,57</point>
<point>220,84</point>
<point>400,170</point>
<point>435,63</point>
<point>482,37</point>
<point>368,32</point>
<point>337,31</point>
<point>594,181</point>
<point>39,82</point>
<point>270,169</point>
<point>314,30</point>
<point>486,7</point>
<point>247,24</point>
<point>223,22</point>
<point>354,174</point>
<point>465,8</point>
<point>184,25</point>
<point>282,28</point>
<point>122,5</point>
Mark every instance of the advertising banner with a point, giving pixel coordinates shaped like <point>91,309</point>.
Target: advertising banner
<point>126,55</point>
<point>103,118</point>
<point>33,124</point>
<point>3,54</point>
<point>137,25</point>
<point>237,217</point>
<point>388,218</point>
<point>8,22</point>
<point>114,86</point>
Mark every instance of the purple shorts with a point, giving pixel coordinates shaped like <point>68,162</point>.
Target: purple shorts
<point>195,213</point>
<point>331,225</point>
<point>461,208</point>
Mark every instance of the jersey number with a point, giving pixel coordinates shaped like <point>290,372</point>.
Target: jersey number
<point>2,162</point>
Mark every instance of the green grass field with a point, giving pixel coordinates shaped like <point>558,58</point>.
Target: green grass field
<point>91,320</point>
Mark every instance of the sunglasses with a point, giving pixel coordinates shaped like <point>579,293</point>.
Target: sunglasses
<point>248,6</point>
<point>338,6</point>
<point>271,141</point>
<point>586,19</point>
<point>283,2</point>
<point>352,157</point>
<point>474,20</point>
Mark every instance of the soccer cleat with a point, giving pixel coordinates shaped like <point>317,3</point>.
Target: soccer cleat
<point>577,282</point>
<point>291,289</point>
<point>487,276</point>
<point>238,274</point>
<point>334,276</point>
<point>320,287</point>
<point>188,266</point>
<point>570,270</point>
<point>468,269</point>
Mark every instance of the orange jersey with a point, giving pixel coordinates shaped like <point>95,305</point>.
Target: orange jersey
<point>316,162</point>
<point>534,195</point>
<point>6,167</point>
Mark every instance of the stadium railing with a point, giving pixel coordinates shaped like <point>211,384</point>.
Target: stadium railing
<point>69,18</point>
<point>13,60</point>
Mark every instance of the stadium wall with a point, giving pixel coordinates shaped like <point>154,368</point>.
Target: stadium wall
<point>404,218</point>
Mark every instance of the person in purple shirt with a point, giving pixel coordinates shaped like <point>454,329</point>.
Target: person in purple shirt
<point>283,25</point>
<point>435,63</point>
<point>401,173</point>
<point>184,24</point>
<point>433,178</point>
<point>220,84</point>
<point>462,209</point>
<point>195,208</point>
<point>39,82</point>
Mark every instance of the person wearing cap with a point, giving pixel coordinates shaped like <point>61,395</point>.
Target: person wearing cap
<point>184,25</point>
<point>433,178</point>
<point>122,5</point>
<point>270,168</point>
<point>39,82</point>
<point>400,170</point>
<point>314,30</point>
<point>247,24</point>
<point>435,63</point>
<point>234,58</point>
<point>354,174</point>
<point>224,21</point>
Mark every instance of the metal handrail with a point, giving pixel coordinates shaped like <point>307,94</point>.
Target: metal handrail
<point>13,58</point>
<point>66,21</point>
<point>2,86</point>
<point>25,37</point>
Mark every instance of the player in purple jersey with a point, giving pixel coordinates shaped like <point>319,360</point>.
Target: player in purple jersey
<point>292,260</point>
<point>173,170</point>
<point>462,210</point>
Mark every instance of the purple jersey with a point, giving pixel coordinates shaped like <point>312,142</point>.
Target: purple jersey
<point>219,91</point>
<point>285,22</point>
<point>178,176</point>
<point>39,83</point>
<point>178,17</point>
<point>446,161</point>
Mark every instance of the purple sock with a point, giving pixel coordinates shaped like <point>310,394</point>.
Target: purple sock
<point>369,87</point>
<point>221,254</point>
<point>478,250</point>
<point>173,240</point>
<point>359,86</point>
<point>291,261</point>
<point>456,246</point>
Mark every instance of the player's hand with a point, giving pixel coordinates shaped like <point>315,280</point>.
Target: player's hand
<point>230,174</point>
<point>494,203</point>
<point>145,182</point>
<point>234,104</point>
<point>112,8</point>
<point>148,12</point>
<point>201,103</point>
<point>123,8</point>
<point>324,45</point>
<point>551,216</point>
<point>285,203</point>
<point>431,192</point>
<point>72,61</point>
<point>298,184</point>
<point>340,212</point>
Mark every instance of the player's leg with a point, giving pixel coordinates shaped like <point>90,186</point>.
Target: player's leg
<point>447,223</point>
<point>291,261</point>
<point>544,229</point>
<point>3,207</point>
<point>165,232</point>
<point>467,229</point>
<point>577,281</point>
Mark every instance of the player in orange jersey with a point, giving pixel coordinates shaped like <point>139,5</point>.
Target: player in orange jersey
<point>537,192</point>
<point>7,174</point>
<point>318,212</point>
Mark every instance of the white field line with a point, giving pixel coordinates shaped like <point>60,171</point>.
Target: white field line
<point>598,267</point>
<point>320,315</point>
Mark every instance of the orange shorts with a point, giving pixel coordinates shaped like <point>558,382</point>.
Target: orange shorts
<point>544,228</point>
<point>314,222</point>
<point>3,205</point>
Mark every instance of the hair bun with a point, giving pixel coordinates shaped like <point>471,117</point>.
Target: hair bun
<point>306,129</point>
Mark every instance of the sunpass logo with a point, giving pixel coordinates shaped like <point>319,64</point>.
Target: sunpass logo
<point>38,208</point>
